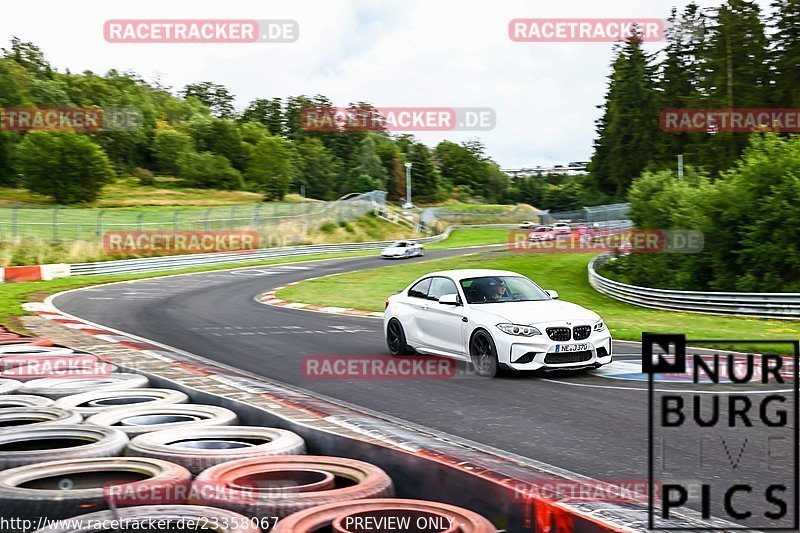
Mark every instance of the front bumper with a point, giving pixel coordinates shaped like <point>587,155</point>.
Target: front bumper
<point>539,352</point>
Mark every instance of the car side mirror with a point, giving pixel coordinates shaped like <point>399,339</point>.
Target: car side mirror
<point>449,299</point>
<point>552,294</point>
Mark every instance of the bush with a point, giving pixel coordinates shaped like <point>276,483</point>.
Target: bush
<point>144,176</point>
<point>347,226</point>
<point>168,145</point>
<point>270,166</point>
<point>206,170</point>
<point>328,228</point>
<point>63,165</point>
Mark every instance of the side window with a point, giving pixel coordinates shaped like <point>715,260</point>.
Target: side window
<point>420,290</point>
<point>440,287</point>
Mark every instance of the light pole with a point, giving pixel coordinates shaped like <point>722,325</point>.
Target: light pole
<point>408,205</point>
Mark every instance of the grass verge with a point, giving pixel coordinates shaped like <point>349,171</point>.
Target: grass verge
<point>13,295</point>
<point>461,238</point>
<point>565,273</point>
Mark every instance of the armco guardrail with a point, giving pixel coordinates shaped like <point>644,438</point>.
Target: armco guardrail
<point>174,262</point>
<point>784,305</point>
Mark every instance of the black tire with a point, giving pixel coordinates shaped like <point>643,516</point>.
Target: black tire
<point>396,338</point>
<point>483,354</point>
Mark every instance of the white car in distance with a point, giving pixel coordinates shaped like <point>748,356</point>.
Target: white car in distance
<point>494,318</point>
<point>403,249</point>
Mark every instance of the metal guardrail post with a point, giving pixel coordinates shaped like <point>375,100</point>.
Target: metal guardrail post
<point>100,225</point>
<point>55,223</point>
<point>14,221</point>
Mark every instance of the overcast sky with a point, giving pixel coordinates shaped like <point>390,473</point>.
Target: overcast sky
<point>453,53</point>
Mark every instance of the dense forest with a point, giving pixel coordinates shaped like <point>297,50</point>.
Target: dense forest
<point>196,135</point>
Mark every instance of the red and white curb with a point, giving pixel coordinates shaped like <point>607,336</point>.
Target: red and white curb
<point>269,298</point>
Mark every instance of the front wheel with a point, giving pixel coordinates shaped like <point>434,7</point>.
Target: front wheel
<point>396,338</point>
<point>483,354</point>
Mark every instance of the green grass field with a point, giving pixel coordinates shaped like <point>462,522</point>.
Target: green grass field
<point>471,237</point>
<point>565,273</point>
<point>125,205</point>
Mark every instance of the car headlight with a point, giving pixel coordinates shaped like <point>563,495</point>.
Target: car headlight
<point>517,329</point>
<point>599,325</point>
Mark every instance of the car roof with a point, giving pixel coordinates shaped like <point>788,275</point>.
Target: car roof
<point>464,273</point>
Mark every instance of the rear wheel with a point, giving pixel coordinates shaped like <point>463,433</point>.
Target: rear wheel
<point>396,338</point>
<point>483,354</point>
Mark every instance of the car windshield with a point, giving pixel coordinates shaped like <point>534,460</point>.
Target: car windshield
<point>495,289</point>
<point>399,244</point>
<point>542,228</point>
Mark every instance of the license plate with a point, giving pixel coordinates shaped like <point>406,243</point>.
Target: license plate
<point>571,347</point>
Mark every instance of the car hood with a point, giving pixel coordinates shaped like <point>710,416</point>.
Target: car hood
<point>391,250</point>
<point>537,312</point>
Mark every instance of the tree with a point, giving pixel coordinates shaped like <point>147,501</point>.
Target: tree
<point>221,137</point>
<point>8,142</point>
<point>29,56</point>
<point>64,165</point>
<point>425,178</point>
<point>679,73</point>
<point>316,168</point>
<point>627,131</point>
<point>214,96</point>
<point>208,171</point>
<point>270,167</point>
<point>785,22</point>
<point>370,164</point>
<point>267,112</point>
<point>736,74</point>
<point>168,146</point>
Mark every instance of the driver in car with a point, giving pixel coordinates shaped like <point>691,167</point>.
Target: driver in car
<point>497,290</point>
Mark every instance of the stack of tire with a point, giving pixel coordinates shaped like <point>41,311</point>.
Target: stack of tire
<point>109,447</point>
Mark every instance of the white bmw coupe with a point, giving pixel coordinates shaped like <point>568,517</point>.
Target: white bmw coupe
<point>494,318</point>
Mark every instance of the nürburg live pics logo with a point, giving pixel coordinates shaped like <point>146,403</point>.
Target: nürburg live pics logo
<point>723,447</point>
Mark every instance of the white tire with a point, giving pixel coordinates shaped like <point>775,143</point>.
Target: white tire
<point>30,445</point>
<point>7,350</point>
<point>15,418</point>
<point>91,403</point>
<point>44,369</point>
<point>24,400</point>
<point>59,387</point>
<point>137,420</point>
<point>7,386</point>
<point>199,448</point>
<point>60,489</point>
<point>138,518</point>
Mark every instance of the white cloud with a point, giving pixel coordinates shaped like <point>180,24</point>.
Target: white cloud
<point>410,53</point>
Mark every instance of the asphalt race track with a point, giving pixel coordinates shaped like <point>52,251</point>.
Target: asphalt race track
<point>593,423</point>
